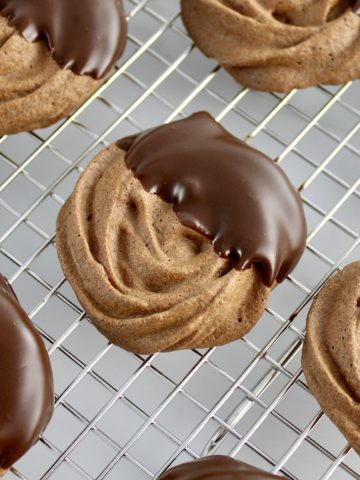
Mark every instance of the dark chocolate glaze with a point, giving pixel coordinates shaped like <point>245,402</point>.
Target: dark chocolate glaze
<point>224,189</point>
<point>216,468</point>
<point>26,382</point>
<point>86,36</point>
<point>356,6</point>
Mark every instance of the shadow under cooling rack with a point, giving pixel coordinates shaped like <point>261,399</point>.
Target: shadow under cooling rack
<point>123,416</point>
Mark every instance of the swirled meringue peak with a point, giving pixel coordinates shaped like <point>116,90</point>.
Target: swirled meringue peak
<point>278,45</point>
<point>86,36</point>
<point>174,238</point>
<point>331,354</point>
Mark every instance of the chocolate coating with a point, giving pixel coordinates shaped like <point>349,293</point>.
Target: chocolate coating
<point>216,468</point>
<point>26,384</point>
<point>356,6</point>
<point>86,36</point>
<point>224,189</point>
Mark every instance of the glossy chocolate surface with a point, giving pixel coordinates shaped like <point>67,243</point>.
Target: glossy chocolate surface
<point>26,384</point>
<point>216,468</point>
<point>86,36</point>
<point>224,189</point>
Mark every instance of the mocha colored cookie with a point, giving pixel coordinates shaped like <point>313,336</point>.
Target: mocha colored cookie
<point>148,283</point>
<point>331,351</point>
<point>146,272</point>
<point>34,91</point>
<point>27,395</point>
<point>216,468</point>
<point>53,56</point>
<point>276,45</point>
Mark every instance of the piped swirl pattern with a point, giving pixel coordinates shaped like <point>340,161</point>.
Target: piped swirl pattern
<point>148,282</point>
<point>34,91</point>
<point>278,44</point>
<point>331,355</point>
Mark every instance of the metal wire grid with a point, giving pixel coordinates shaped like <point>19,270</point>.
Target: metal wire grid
<point>120,415</point>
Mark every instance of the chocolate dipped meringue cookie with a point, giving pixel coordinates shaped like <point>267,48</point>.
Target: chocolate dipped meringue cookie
<point>216,468</point>
<point>277,45</point>
<point>332,351</point>
<point>174,238</point>
<point>53,55</point>
<point>27,394</point>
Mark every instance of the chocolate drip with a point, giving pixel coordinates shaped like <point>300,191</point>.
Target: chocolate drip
<point>224,189</point>
<point>86,36</point>
<point>216,468</point>
<point>26,385</point>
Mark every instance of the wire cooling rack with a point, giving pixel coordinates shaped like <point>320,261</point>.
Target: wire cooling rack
<point>124,416</point>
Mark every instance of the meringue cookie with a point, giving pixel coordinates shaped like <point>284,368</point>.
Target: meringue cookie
<point>27,391</point>
<point>148,283</point>
<point>332,351</point>
<point>146,273</point>
<point>53,55</point>
<point>217,467</point>
<point>276,45</point>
